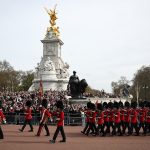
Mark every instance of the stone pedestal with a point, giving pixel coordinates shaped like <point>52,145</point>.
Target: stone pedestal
<point>52,71</point>
<point>78,101</point>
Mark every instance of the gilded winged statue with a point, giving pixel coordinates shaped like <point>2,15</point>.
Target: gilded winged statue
<point>53,18</point>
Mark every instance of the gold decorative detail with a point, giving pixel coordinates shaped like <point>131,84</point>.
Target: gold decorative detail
<point>53,18</point>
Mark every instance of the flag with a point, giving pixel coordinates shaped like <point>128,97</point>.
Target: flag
<point>41,89</point>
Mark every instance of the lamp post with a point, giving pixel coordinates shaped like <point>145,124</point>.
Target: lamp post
<point>145,87</point>
<point>137,89</point>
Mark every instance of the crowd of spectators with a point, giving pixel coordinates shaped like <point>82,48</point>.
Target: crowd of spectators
<point>101,94</point>
<point>14,102</point>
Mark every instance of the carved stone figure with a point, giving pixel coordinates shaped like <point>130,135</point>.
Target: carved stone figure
<point>48,65</point>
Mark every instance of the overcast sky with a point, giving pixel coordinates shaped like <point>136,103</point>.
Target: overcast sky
<point>103,39</point>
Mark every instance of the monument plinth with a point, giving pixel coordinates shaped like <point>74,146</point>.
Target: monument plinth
<point>52,70</point>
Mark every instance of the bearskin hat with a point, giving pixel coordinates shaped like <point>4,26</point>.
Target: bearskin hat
<point>44,103</point>
<point>59,104</point>
<point>145,103</point>
<point>28,103</point>
<point>120,104</point>
<point>93,107</point>
<point>134,104</point>
<point>148,104</point>
<point>89,105</point>
<point>127,104</point>
<point>110,105</point>
<point>99,106</point>
<point>105,105</point>
<point>116,105</point>
<point>141,104</point>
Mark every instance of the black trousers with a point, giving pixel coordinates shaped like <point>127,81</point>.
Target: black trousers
<point>40,129</point>
<point>1,133</point>
<point>106,124</point>
<point>46,129</point>
<point>91,127</point>
<point>86,127</point>
<point>61,129</point>
<point>134,126</point>
<point>147,127</point>
<point>127,126</point>
<point>94,128</point>
<point>117,126</point>
<point>100,129</point>
<point>111,124</point>
<point>142,125</point>
<point>122,124</point>
<point>27,122</point>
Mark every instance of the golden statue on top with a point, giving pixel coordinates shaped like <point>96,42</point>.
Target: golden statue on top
<point>53,18</point>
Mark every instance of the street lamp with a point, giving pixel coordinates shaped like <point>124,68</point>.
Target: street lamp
<point>137,89</point>
<point>145,87</point>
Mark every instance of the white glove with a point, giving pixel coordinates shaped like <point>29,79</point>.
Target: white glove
<point>4,121</point>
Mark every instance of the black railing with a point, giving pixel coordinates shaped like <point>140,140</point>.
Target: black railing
<point>70,118</point>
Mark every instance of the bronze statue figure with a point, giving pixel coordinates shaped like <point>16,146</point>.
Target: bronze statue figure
<point>76,87</point>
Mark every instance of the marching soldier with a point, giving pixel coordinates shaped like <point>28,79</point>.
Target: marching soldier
<point>142,117</point>
<point>122,111</point>
<point>44,119</point>
<point>2,119</point>
<point>127,118</point>
<point>117,120</point>
<point>111,117</point>
<point>106,118</point>
<point>100,117</point>
<point>134,118</point>
<point>28,117</point>
<point>87,114</point>
<point>92,120</point>
<point>147,123</point>
<point>60,123</point>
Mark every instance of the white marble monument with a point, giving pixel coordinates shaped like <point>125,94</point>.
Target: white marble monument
<point>51,70</point>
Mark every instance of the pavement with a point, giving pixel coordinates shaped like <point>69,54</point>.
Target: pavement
<point>15,140</point>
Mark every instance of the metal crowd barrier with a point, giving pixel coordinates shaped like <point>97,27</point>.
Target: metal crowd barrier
<point>73,119</point>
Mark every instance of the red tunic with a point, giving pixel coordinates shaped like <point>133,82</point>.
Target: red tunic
<point>61,119</point>
<point>142,115</point>
<point>100,118</point>
<point>148,116</point>
<point>106,119</point>
<point>28,114</point>
<point>134,116</point>
<point>87,113</point>
<point>92,117</point>
<point>111,116</point>
<point>2,117</point>
<point>45,114</point>
<point>122,111</point>
<point>117,116</point>
<point>127,115</point>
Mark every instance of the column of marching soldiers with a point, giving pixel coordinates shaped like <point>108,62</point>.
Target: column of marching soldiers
<point>101,119</point>
<point>117,119</point>
<point>45,115</point>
